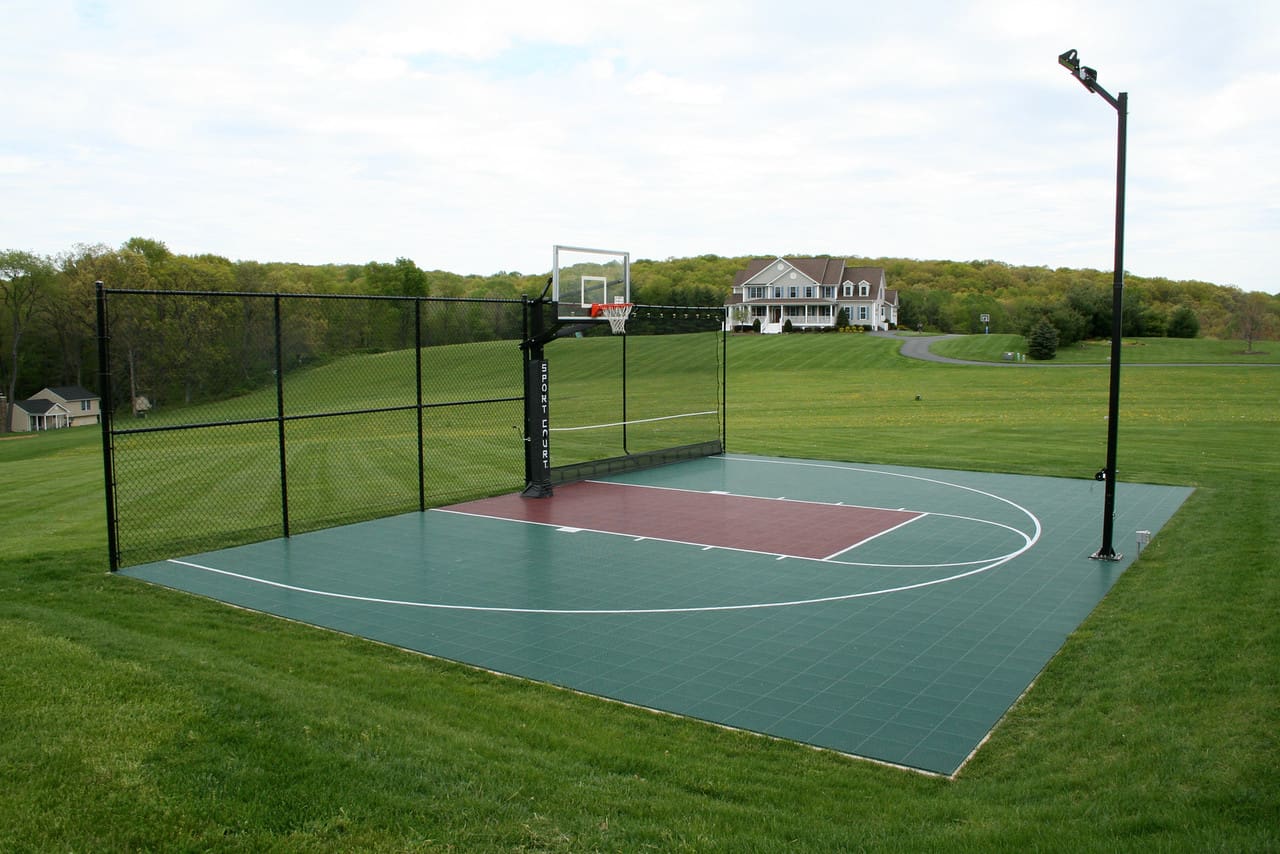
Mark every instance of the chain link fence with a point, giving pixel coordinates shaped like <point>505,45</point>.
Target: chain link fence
<point>231,418</point>
<point>237,417</point>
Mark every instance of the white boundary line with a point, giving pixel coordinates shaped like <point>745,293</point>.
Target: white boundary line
<point>440,606</point>
<point>830,558</point>
<point>840,467</point>
<point>850,548</point>
<point>1031,540</point>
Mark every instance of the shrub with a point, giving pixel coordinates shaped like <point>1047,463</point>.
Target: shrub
<point>1183,323</point>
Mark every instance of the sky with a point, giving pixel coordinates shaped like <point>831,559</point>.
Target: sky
<point>474,135</point>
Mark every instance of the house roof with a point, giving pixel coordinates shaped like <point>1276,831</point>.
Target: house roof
<point>36,406</point>
<point>72,392</point>
<point>858,274</point>
<point>823,270</point>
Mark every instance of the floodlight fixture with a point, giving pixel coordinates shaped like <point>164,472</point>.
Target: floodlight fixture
<point>1087,76</point>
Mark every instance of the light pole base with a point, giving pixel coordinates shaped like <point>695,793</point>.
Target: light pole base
<point>1105,555</point>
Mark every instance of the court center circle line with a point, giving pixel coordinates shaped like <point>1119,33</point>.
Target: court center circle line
<point>440,606</point>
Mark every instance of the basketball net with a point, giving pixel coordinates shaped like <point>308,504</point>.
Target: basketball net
<point>616,313</point>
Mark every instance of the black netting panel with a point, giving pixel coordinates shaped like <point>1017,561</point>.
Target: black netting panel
<point>620,401</point>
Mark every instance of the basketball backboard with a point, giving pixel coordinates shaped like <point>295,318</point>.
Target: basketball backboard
<point>583,277</point>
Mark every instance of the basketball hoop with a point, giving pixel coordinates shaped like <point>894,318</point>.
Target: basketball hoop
<point>616,313</point>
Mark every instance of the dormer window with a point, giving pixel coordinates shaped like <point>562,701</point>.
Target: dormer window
<point>863,289</point>
<point>848,289</point>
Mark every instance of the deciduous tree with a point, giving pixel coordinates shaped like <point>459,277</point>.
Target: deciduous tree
<point>26,280</point>
<point>1253,318</point>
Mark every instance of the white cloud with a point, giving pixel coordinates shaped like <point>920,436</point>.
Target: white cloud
<point>474,136</point>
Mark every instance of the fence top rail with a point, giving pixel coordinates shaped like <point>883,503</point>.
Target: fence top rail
<point>301,295</point>
<point>719,308</point>
<point>385,297</point>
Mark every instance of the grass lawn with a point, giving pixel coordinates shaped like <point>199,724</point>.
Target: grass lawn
<point>141,718</point>
<point>1162,351</point>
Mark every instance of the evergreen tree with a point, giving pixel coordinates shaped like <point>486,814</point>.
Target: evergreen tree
<point>1042,342</point>
<point>1183,323</point>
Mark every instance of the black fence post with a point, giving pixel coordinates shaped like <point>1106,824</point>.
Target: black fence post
<point>417,346</point>
<point>284,475</point>
<point>106,405</point>
<point>724,380</point>
<point>625,449</point>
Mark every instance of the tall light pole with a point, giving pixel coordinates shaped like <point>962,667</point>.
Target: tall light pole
<point>1089,78</point>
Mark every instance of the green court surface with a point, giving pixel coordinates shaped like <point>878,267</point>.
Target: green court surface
<point>885,612</point>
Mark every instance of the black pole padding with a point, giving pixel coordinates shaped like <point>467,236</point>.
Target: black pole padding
<point>537,415</point>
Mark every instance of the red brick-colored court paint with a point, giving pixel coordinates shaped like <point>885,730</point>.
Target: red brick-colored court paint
<point>771,525</point>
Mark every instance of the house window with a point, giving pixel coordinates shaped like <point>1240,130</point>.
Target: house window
<point>777,292</point>
<point>85,406</point>
<point>862,312</point>
<point>808,292</point>
<point>793,292</point>
<point>848,290</point>
<point>828,292</point>
<point>755,293</point>
<point>862,289</point>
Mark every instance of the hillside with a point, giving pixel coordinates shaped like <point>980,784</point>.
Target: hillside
<point>47,314</point>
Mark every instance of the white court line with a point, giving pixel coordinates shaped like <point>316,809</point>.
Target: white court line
<point>850,548</point>
<point>729,494</point>
<point>440,606</point>
<point>830,559</point>
<point>838,467</point>
<point>1030,540</point>
<point>628,534</point>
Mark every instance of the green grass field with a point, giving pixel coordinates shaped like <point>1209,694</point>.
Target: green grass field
<point>1155,351</point>
<point>138,718</point>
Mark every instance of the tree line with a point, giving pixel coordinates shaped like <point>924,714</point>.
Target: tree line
<point>47,312</point>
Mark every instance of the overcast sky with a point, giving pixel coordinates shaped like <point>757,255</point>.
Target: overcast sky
<point>472,135</point>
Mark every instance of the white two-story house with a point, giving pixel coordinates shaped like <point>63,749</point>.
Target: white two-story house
<point>810,292</point>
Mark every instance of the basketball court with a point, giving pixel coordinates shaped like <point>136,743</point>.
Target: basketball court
<point>884,612</point>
